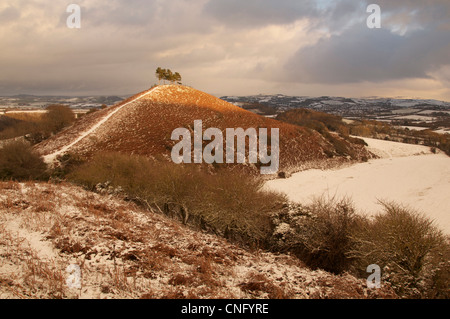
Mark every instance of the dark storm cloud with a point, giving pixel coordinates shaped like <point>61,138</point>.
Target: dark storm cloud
<point>371,55</point>
<point>359,54</point>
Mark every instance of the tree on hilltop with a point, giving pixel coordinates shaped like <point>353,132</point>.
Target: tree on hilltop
<point>167,75</point>
<point>159,74</point>
<point>177,77</point>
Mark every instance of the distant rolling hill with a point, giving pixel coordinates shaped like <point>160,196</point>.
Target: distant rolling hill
<point>143,124</point>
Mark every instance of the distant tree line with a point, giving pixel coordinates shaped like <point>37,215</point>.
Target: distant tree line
<point>167,75</point>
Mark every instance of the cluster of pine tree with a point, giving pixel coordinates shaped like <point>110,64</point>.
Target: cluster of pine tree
<point>167,75</point>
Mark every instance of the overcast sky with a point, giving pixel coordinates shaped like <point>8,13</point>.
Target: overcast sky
<point>227,47</point>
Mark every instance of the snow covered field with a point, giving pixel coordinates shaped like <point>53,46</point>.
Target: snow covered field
<point>407,174</point>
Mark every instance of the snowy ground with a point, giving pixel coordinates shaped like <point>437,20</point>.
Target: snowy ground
<point>407,174</point>
<point>48,231</point>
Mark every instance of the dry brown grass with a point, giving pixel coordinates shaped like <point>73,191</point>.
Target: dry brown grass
<point>40,275</point>
<point>27,116</point>
<point>181,280</point>
<point>257,283</point>
<point>9,185</point>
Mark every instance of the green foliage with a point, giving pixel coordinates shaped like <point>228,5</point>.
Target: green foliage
<point>19,162</point>
<point>168,75</point>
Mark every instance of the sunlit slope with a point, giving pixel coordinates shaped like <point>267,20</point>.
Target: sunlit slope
<point>143,125</point>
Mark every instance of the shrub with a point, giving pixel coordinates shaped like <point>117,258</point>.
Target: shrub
<point>67,163</point>
<point>12,128</point>
<point>237,206</point>
<point>413,254</point>
<point>19,162</point>
<point>58,117</point>
<point>411,251</point>
<point>319,234</point>
<point>224,202</point>
<point>343,144</point>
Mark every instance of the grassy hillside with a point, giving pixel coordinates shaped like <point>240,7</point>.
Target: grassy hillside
<point>143,125</point>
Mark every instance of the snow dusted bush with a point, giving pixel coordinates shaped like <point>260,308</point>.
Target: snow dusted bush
<point>287,222</point>
<point>319,234</point>
<point>412,253</point>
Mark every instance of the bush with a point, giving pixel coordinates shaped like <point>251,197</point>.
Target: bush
<point>67,163</point>
<point>58,117</point>
<point>319,234</point>
<point>342,143</point>
<point>237,206</point>
<point>226,203</point>
<point>411,251</point>
<point>19,162</point>
<point>413,254</point>
<point>12,128</point>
